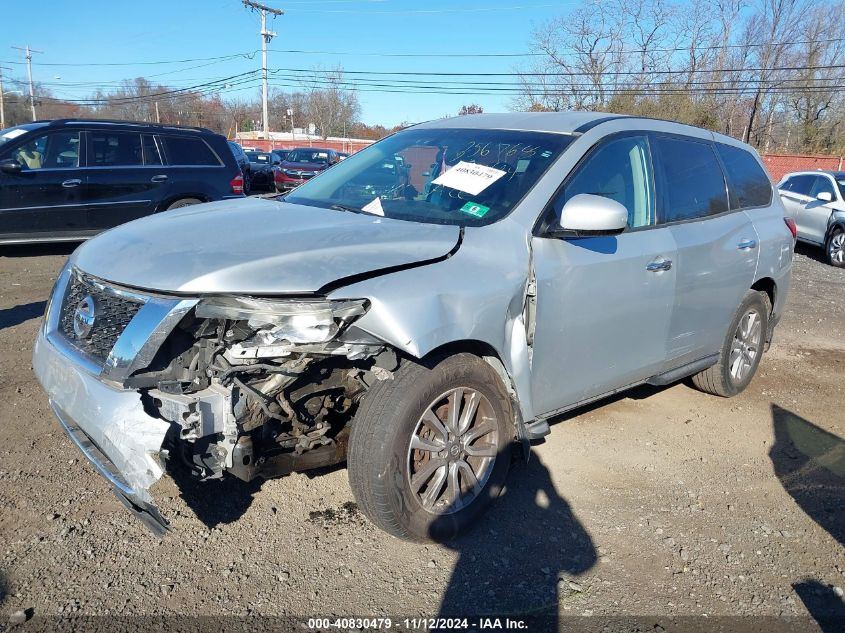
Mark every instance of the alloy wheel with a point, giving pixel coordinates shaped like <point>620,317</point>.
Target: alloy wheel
<point>452,450</point>
<point>746,345</point>
<point>836,248</point>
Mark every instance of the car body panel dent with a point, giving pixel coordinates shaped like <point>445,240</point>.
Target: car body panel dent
<point>446,309</point>
<point>114,420</point>
<point>204,249</point>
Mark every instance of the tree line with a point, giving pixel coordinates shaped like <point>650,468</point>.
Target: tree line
<point>328,110</point>
<point>770,72</point>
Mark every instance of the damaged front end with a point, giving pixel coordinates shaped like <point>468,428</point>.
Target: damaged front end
<point>261,388</point>
<point>246,386</point>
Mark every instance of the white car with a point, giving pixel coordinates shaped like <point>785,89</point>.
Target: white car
<point>815,200</point>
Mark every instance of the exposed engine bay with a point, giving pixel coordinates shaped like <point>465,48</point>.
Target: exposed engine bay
<point>262,388</point>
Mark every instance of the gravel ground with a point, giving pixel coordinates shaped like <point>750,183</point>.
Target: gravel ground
<point>661,502</point>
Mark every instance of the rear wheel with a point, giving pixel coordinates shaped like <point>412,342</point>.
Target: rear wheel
<point>184,202</point>
<point>741,351</point>
<point>835,248</point>
<point>430,449</point>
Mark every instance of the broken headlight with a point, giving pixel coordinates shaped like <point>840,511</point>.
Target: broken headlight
<point>280,324</point>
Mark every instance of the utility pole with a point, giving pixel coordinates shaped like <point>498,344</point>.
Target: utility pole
<point>28,55</point>
<point>266,36</point>
<point>2,106</point>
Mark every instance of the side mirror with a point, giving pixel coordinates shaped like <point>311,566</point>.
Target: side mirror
<point>824,196</point>
<point>588,215</point>
<point>10,166</point>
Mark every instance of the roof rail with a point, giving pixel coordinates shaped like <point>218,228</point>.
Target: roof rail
<point>57,122</point>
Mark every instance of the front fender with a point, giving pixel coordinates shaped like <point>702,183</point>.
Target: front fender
<point>478,294</point>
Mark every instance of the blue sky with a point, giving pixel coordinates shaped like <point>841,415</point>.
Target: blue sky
<point>106,32</point>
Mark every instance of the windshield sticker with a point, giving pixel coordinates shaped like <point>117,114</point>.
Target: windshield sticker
<point>474,209</point>
<point>469,177</point>
<point>374,207</point>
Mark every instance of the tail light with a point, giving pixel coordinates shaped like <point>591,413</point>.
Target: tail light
<point>237,183</point>
<point>793,228</point>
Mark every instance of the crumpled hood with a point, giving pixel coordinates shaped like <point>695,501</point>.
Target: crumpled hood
<point>256,247</point>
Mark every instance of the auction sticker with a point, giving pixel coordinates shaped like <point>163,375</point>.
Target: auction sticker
<point>475,209</point>
<point>470,178</point>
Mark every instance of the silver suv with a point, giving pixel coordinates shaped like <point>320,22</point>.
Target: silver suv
<point>418,310</point>
<point>815,199</point>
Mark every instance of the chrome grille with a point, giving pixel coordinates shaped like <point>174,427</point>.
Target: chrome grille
<point>113,313</point>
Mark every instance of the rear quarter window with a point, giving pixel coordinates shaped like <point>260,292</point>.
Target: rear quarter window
<point>185,150</point>
<point>750,185</point>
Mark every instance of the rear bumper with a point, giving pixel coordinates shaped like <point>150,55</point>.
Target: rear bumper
<point>109,426</point>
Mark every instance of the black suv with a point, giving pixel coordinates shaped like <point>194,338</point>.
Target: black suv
<point>70,179</point>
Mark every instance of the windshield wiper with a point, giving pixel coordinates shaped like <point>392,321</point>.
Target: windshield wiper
<point>343,207</point>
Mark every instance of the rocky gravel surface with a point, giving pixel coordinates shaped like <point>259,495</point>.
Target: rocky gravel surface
<point>658,502</point>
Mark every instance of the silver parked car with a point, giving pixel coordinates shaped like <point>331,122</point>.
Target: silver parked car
<point>816,200</point>
<point>418,310</point>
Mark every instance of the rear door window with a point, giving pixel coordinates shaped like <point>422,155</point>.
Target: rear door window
<point>749,184</point>
<point>694,184</point>
<point>186,150</point>
<point>114,149</point>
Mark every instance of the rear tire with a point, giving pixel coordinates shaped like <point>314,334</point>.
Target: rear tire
<point>741,350</point>
<point>424,492</point>
<point>834,248</point>
<point>184,202</point>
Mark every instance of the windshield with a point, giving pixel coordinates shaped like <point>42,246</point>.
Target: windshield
<point>441,176</point>
<point>10,134</point>
<point>308,156</point>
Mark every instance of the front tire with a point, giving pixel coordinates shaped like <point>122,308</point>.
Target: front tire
<point>431,448</point>
<point>834,248</point>
<point>741,351</point>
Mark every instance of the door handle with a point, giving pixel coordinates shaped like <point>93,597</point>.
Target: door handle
<point>73,182</point>
<point>746,245</point>
<point>160,178</point>
<point>659,265</point>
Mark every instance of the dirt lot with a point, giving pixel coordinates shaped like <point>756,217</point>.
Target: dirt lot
<point>666,502</point>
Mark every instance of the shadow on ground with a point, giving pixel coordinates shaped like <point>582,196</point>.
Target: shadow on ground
<point>10,317</point>
<point>521,556</point>
<point>823,604</point>
<point>38,250</point>
<point>810,464</point>
<point>815,253</point>
<point>217,501</point>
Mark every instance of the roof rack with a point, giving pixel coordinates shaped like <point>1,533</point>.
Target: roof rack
<point>57,122</point>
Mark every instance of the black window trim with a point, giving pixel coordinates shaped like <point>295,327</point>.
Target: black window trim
<point>542,224</point>
<point>732,196</point>
<point>662,190</point>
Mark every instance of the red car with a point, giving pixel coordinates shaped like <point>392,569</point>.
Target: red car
<point>302,164</point>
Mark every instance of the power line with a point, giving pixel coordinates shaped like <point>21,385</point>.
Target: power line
<point>561,73</point>
<point>251,54</point>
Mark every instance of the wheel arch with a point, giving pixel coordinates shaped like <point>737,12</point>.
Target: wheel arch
<point>492,357</point>
<point>768,286</point>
